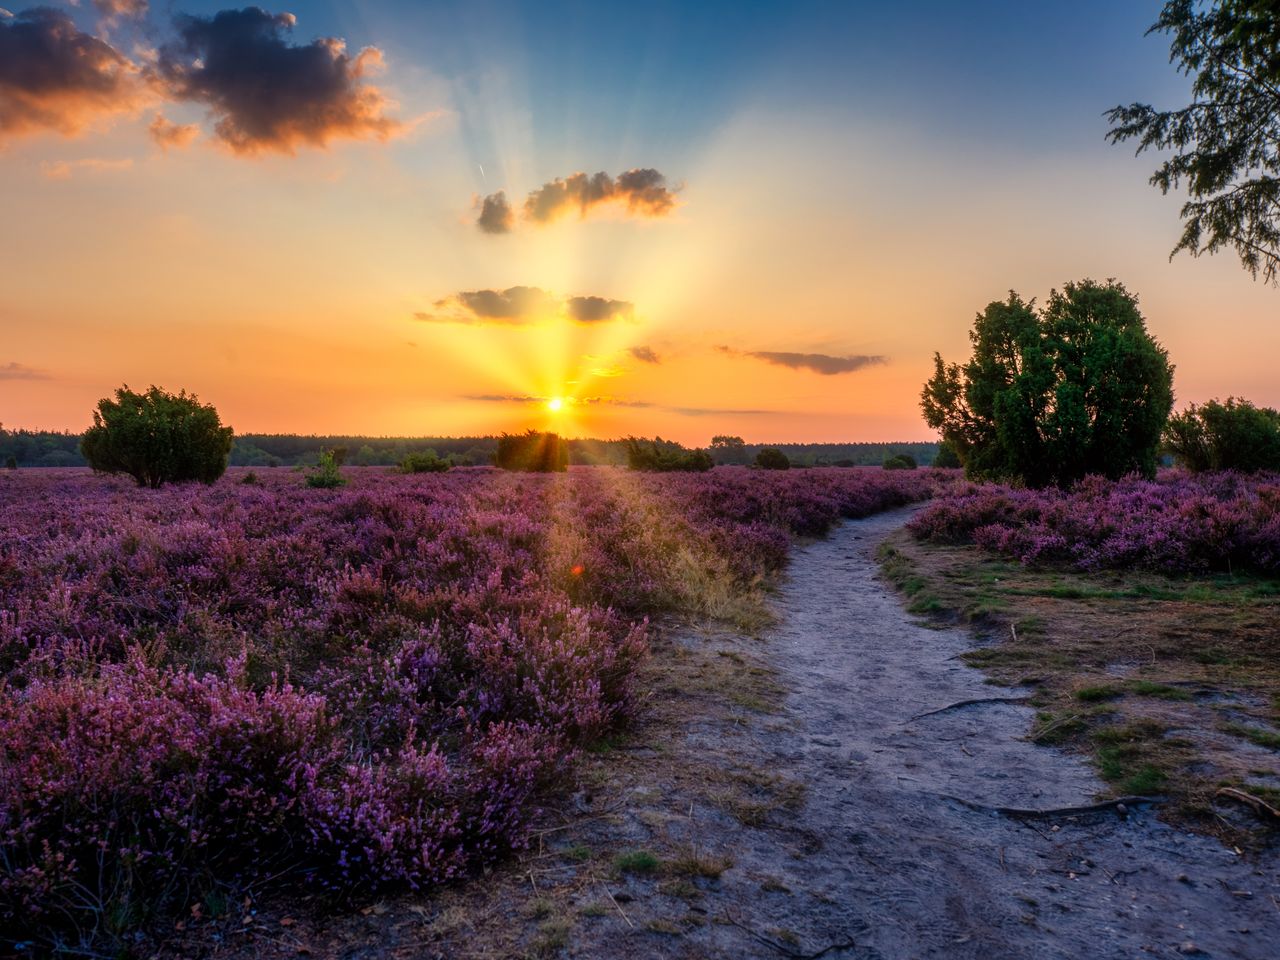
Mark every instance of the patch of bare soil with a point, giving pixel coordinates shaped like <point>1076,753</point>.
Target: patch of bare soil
<point>843,785</point>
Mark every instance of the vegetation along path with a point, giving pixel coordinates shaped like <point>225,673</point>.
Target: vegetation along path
<point>838,785</point>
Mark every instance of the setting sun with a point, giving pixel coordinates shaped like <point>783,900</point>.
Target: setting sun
<point>555,404</point>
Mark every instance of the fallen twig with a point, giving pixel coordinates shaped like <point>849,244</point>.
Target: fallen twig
<point>1022,813</point>
<point>784,949</point>
<point>969,703</point>
<point>609,893</point>
<point>1257,804</point>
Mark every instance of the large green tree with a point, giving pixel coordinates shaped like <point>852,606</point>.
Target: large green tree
<point>157,438</point>
<point>1225,144</point>
<point>1054,395</point>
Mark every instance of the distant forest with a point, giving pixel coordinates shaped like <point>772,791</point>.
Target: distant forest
<point>32,448</point>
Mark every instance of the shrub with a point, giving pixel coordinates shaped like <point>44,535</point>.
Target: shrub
<point>770,458</point>
<point>1234,435</point>
<point>250,479</point>
<point>663,456</point>
<point>426,462</point>
<point>532,452</point>
<point>326,474</point>
<point>946,458</point>
<point>11,463</point>
<point>157,438</point>
<point>1048,397</point>
<point>901,461</point>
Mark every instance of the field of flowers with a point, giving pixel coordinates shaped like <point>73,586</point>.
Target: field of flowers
<point>1175,524</point>
<point>209,689</point>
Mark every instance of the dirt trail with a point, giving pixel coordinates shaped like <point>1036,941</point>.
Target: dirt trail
<point>821,825</point>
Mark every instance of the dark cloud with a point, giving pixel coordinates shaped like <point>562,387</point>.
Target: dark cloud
<point>817,362</point>
<point>496,215</point>
<point>266,93</point>
<point>168,134</point>
<point>644,354</point>
<point>55,77</point>
<point>18,371</point>
<point>598,309</point>
<point>642,192</point>
<point>520,305</point>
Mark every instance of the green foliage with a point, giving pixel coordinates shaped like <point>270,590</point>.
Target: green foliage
<point>1234,435</point>
<point>946,457</point>
<point>327,473</point>
<point>425,462</point>
<point>770,458</point>
<point>11,462</point>
<point>1224,143</point>
<point>250,479</point>
<point>728,449</point>
<point>1049,397</point>
<point>664,456</point>
<point>157,438</point>
<point>900,461</point>
<point>532,452</point>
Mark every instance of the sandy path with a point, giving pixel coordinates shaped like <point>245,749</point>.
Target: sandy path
<point>924,876</point>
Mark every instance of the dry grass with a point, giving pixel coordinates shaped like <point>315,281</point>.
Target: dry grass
<point>1171,685</point>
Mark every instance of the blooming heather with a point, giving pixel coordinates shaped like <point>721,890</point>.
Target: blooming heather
<point>354,689</point>
<point>1175,524</point>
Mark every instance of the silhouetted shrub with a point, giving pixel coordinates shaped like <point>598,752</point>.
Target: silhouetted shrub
<point>326,475</point>
<point>250,479</point>
<point>901,461</point>
<point>157,438</point>
<point>665,457</point>
<point>532,452</point>
<point>947,457</point>
<point>426,462</point>
<point>11,463</point>
<point>772,459</point>
<point>1234,435</point>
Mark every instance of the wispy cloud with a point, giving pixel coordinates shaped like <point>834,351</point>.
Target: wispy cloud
<point>516,306</point>
<point>644,354</point>
<point>65,169</point>
<point>167,134</point>
<point>822,363</point>
<point>19,371</point>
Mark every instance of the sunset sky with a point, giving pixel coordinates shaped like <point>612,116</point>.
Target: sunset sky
<point>673,218</point>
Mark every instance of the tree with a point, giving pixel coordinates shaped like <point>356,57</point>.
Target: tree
<point>532,452</point>
<point>1226,142</point>
<point>157,438</point>
<point>1234,435</point>
<point>1049,397</point>
<point>727,449</point>
<point>946,458</point>
<point>771,458</point>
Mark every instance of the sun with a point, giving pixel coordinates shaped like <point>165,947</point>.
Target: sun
<point>555,404</point>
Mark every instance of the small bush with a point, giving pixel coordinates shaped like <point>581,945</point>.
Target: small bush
<point>532,452</point>
<point>1234,435</point>
<point>157,438</point>
<point>666,457</point>
<point>901,461</point>
<point>250,479</point>
<point>947,457</point>
<point>326,474</point>
<point>426,462</point>
<point>11,463</point>
<point>771,458</point>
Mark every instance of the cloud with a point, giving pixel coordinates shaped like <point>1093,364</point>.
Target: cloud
<point>516,306</point>
<point>55,77</point>
<point>598,309</point>
<point>18,371</point>
<point>644,354</point>
<point>817,362</point>
<point>64,169</point>
<point>266,93</point>
<point>122,9</point>
<point>168,134</point>
<point>708,412</point>
<point>642,192</point>
<point>571,401</point>
<point>496,215</point>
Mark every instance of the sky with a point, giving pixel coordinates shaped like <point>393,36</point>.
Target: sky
<point>683,219</point>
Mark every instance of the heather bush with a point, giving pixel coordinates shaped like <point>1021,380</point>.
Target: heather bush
<point>426,462</point>
<point>219,685</point>
<point>1234,435</point>
<point>1175,524</point>
<point>157,438</point>
<point>901,461</point>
